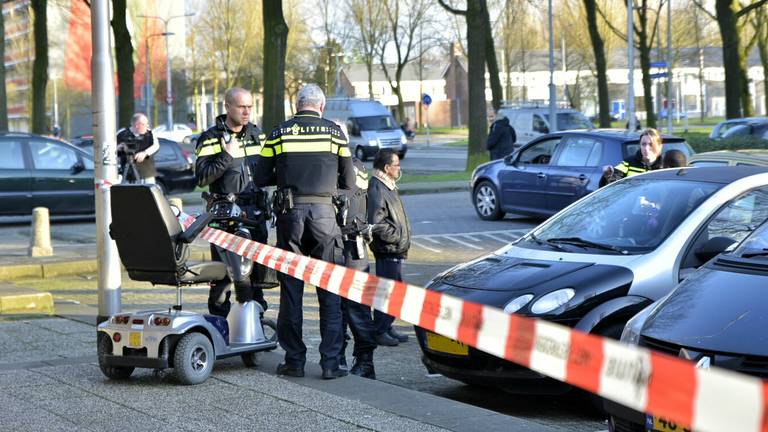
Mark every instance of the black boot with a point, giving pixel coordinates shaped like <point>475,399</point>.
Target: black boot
<point>363,366</point>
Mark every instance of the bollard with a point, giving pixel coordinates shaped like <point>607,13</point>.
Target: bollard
<point>41,233</point>
<point>176,201</point>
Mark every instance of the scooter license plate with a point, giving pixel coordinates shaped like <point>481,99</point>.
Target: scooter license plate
<point>134,339</point>
<point>659,424</point>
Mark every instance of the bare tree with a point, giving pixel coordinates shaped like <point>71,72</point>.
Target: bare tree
<point>476,44</point>
<point>369,18</point>
<point>490,60</point>
<point>3,96</point>
<point>124,60</point>
<point>603,98</point>
<point>403,18</point>
<point>275,46</point>
<point>40,66</point>
<point>760,25</point>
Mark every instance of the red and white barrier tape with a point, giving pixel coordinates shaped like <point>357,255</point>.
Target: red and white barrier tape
<point>704,399</point>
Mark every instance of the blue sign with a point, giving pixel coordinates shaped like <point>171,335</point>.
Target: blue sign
<point>659,75</point>
<point>426,99</point>
<point>659,64</point>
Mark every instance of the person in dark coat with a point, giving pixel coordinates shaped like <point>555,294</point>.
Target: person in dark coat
<point>501,139</point>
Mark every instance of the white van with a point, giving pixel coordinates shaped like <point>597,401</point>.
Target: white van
<point>370,126</point>
<point>530,123</point>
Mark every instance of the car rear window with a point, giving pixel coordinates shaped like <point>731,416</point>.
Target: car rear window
<point>165,153</point>
<point>703,163</point>
<point>11,156</point>
<point>633,147</point>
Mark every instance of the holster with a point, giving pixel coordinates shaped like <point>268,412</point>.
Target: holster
<point>282,201</point>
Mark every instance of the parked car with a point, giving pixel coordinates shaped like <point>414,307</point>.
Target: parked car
<point>599,262</point>
<point>749,157</point>
<point>37,171</point>
<point>530,123</point>
<point>716,317</point>
<point>723,129</point>
<point>175,166</point>
<point>180,130</point>
<point>553,171</point>
<point>370,126</point>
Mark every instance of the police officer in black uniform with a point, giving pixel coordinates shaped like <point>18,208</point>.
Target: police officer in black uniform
<point>225,154</point>
<point>308,157</point>
<point>352,216</point>
<point>135,147</point>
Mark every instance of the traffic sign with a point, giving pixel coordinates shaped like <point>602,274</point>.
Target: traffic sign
<point>426,99</point>
<point>659,75</point>
<point>659,64</point>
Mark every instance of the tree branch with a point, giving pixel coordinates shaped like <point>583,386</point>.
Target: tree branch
<point>749,8</point>
<point>610,25</point>
<point>452,10</point>
<point>703,9</point>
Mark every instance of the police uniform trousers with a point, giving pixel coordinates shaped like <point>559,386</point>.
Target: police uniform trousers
<point>357,315</point>
<point>310,230</point>
<point>245,290</point>
<point>390,268</point>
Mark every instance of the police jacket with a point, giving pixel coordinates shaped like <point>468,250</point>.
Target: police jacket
<point>138,143</point>
<point>633,165</point>
<point>357,215</point>
<point>221,172</point>
<point>501,139</point>
<point>391,230</point>
<point>308,154</point>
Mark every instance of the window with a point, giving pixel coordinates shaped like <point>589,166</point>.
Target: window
<point>706,163</point>
<point>632,148</point>
<point>52,156</point>
<point>580,151</point>
<point>539,125</point>
<point>11,156</point>
<point>540,153</point>
<point>740,217</point>
<point>165,153</point>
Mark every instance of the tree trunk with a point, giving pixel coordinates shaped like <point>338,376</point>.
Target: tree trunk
<point>275,46</point>
<point>478,122</point>
<point>644,47</point>
<point>40,67</point>
<point>3,96</point>
<point>762,44</point>
<point>124,59</point>
<point>726,21</point>
<point>369,69</point>
<point>490,58</point>
<point>747,109</point>
<point>598,47</point>
<point>399,93</point>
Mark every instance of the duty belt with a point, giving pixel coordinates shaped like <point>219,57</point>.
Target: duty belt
<point>312,199</point>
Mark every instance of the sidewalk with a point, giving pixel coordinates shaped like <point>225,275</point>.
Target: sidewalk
<point>51,381</point>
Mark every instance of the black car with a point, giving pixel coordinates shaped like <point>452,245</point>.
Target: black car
<point>175,166</point>
<point>553,171</point>
<point>716,317</point>
<point>37,171</point>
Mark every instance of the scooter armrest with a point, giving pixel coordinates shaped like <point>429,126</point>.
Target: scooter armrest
<point>189,235</point>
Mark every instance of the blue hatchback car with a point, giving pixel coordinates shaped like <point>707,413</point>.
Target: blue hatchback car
<point>553,171</point>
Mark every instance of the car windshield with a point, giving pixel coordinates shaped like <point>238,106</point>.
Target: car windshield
<point>374,123</point>
<point>629,217</point>
<point>571,120</point>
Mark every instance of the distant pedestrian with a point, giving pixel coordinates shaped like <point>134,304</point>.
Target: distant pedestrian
<point>391,234</point>
<point>135,147</point>
<point>674,159</point>
<point>501,138</point>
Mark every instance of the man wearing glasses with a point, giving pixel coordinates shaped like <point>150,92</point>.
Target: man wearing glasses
<point>391,234</point>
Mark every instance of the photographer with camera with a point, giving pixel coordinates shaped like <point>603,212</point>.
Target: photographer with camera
<point>135,147</point>
<point>225,156</point>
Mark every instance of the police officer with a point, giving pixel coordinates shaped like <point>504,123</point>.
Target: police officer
<point>309,159</point>
<point>647,158</point>
<point>355,233</point>
<point>135,147</point>
<point>225,154</point>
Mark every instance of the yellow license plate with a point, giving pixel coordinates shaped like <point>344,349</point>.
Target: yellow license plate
<point>659,424</point>
<point>442,344</point>
<point>134,339</point>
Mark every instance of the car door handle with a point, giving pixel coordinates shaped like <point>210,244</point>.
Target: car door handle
<point>541,175</point>
<point>583,177</point>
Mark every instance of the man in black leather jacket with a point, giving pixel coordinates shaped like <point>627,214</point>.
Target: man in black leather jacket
<point>391,234</point>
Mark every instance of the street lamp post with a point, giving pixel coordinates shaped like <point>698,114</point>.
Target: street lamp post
<point>168,84</point>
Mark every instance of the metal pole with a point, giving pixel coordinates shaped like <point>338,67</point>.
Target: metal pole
<point>105,150</point>
<point>630,108</point>
<point>55,105</point>
<point>552,89</point>
<point>168,90</point>
<point>669,68</point>
<point>148,84</point>
<point>204,106</point>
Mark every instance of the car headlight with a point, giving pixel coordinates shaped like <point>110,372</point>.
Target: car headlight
<point>373,143</point>
<point>517,303</point>
<point>631,333</point>
<point>552,301</point>
<point>403,139</point>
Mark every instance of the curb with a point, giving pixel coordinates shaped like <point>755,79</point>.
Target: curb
<point>26,304</point>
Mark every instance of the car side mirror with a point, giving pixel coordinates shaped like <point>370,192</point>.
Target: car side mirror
<point>713,247</point>
<point>77,167</point>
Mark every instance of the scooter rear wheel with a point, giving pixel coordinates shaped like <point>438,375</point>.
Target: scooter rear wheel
<point>104,347</point>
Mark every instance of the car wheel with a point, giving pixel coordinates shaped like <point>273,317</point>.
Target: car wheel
<point>486,200</point>
<point>104,347</point>
<point>360,153</point>
<point>193,359</point>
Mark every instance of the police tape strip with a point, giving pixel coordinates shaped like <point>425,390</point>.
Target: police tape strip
<point>704,399</point>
